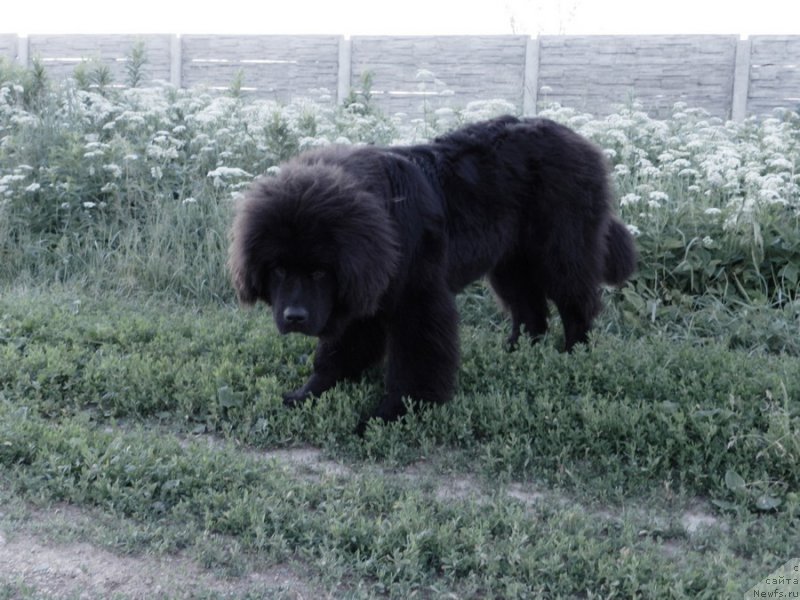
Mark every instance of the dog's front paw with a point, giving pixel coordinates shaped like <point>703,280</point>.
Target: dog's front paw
<point>364,423</point>
<point>295,398</point>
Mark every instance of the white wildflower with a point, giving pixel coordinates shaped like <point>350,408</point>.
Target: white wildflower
<point>681,163</point>
<point>228,172</point>
<point>629,199</point>
<point>113,169</point>
<point>356,107</point>
<point>665,157</point>
<point>771,197</point>
<point>97,147</point>
<point>89,205</point>
<point>634,230</point>
<point>657,198</point>
<point>752,177</point>
<point>781,162</point>
<point>134,120</point>
<point>32,188</point>
<point>221,175</point>
<point>189,200</point>
<point>712,212</point>
<point>697,144</point>
<point>621,170</point>
<point>11,178</point>
<point>313,142</point>
<point>478,110</point>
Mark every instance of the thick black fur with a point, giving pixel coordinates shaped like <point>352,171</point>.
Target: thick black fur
<point>366,247</point>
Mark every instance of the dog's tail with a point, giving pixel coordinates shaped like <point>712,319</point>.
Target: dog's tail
<point>621,255</point>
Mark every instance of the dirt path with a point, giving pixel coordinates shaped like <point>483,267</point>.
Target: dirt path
<point>33,563</point>
<point>81,570</point>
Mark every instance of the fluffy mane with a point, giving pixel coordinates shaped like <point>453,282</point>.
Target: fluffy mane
<point>314,213</point>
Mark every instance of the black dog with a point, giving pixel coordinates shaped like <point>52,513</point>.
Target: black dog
<point>366,247</point>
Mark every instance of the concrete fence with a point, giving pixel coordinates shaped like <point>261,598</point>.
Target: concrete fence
<point>729,77</point>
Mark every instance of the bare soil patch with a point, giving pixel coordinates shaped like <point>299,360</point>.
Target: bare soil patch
<point>31,559</point>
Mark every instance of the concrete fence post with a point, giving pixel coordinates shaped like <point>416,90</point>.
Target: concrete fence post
<point>345,69</point>
<point>530,82</point>
<point>176,61</point>
<point>23,50</point>
<point>741,80</point>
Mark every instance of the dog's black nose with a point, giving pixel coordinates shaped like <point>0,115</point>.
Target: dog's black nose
<point>295,315</point>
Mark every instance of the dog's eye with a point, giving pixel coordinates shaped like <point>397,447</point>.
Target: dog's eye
<point>279,272</point>
<point>317,275</point>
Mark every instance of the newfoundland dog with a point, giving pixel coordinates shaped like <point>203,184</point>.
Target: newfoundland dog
<point>365,248</point>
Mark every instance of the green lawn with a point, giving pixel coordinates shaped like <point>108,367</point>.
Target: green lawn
<point>637,467</point>
<point>145,451</point>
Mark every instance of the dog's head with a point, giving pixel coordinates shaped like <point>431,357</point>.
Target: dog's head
<point>313,243</point>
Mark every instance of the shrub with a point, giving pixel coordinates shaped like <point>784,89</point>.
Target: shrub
<point>95,181</point>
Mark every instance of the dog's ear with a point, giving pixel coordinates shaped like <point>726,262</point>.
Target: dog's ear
<point>241,277</point>
<point>239,264</point>
<point>368,254</point>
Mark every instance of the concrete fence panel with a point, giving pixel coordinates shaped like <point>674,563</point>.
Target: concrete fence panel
<point>774,73</point>
<point>61,54</point>
<point>597,73</point>
<point>8,47</point>
<point>276,66</point>
<point>729,77</point>
<point>420,74</point>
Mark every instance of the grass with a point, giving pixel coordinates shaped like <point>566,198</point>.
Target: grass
<point>133,392</point>
<point>213,370</point>
<point>158,414</point>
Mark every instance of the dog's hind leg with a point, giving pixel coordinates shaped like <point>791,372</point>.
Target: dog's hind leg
<point>577,313</point>
<point>573,275</point>
<point>521,291</point>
